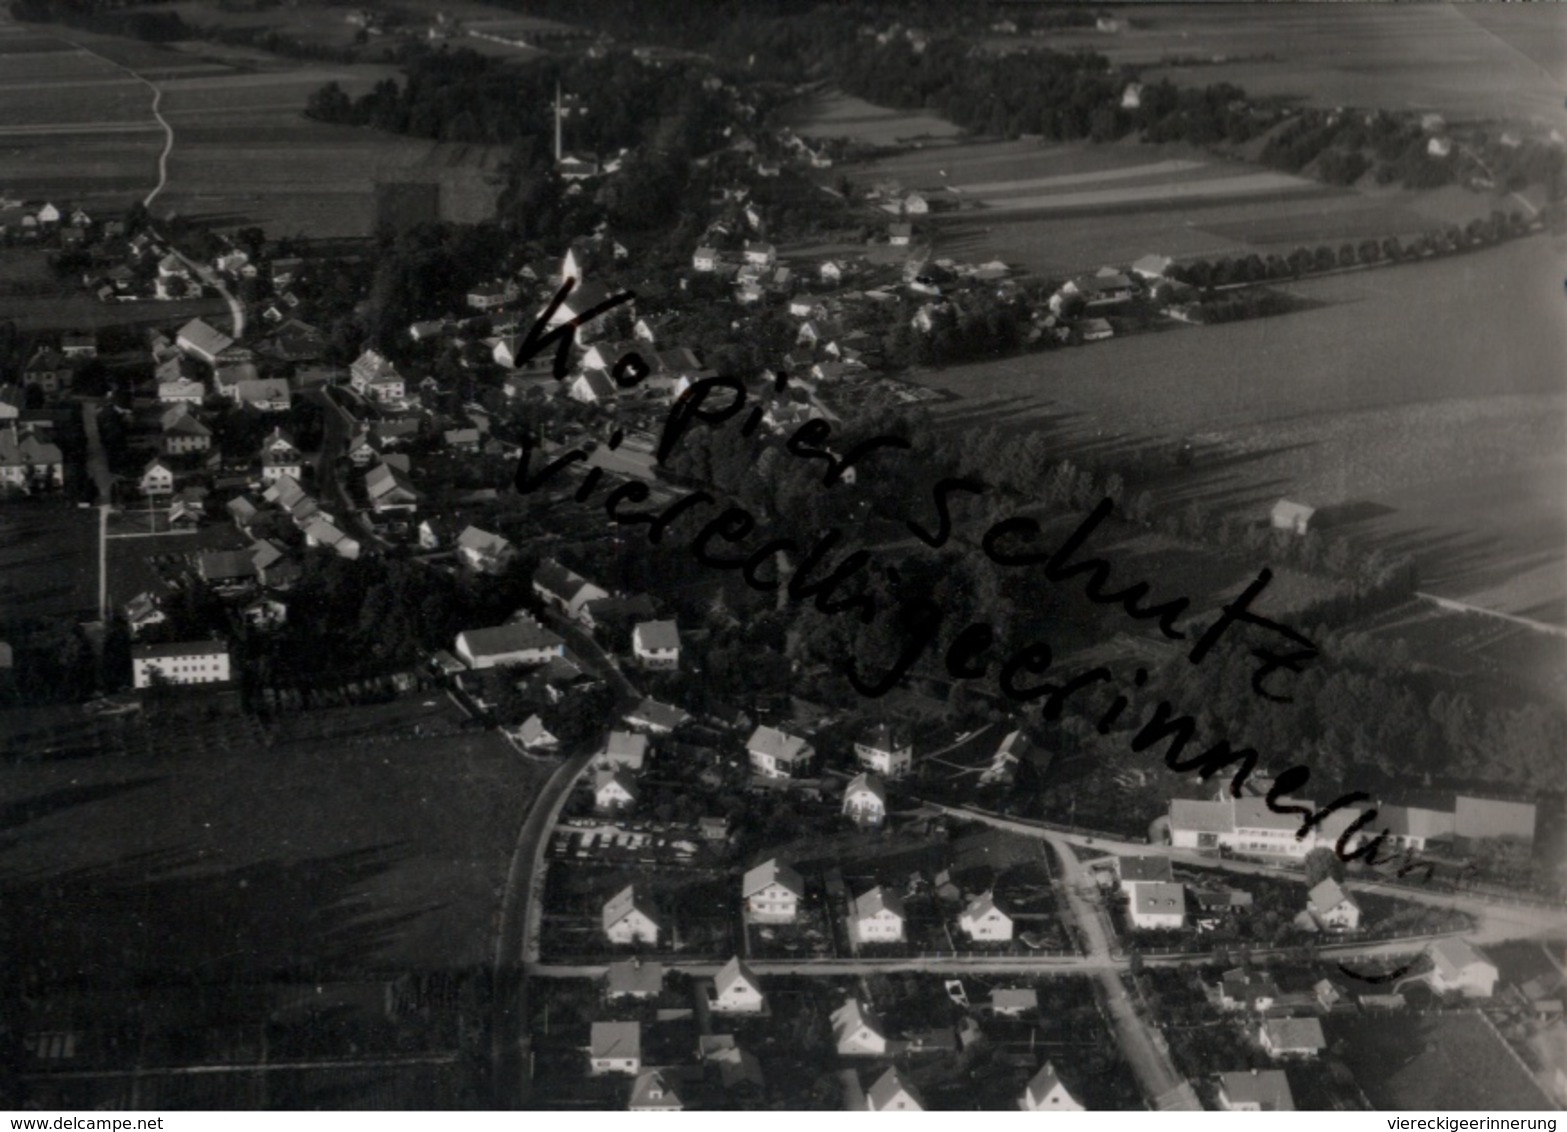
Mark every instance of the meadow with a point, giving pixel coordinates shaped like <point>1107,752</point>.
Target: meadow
<point>48,560</point>
<point>1462,60</point>
<point>1423,403</point>
<point>77,127</point>
<point>1057,209</point>
<point>316,852</point>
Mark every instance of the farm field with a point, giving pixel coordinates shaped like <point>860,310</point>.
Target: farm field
<point>1058,209</point>
<point>316,851</point>
<point>48,560</point>
<point>77,127</point>
<point>1462,60</point>
<point>834,114</point>
<point>1425,402</point>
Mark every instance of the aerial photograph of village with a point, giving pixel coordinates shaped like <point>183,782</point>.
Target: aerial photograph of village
<point>688,555</point>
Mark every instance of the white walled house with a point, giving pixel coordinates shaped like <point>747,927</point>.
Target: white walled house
<point>615,1047</point>
<point>772,893</point>
<point>891,1093</point>
<point>865,800</point>
<point>521,641</point>
<point>857,1031</point>
<point>484,552</point>
<point>736,990</point>
<point>1046,1093</point>
<point>184,662</point>
<point>777,754</point>
<point>656,644</point>
<point>878,916</point>
<point>1156,905</point>
<point>614,792</point>
<point>1331,907</point>
<point>886,749</point>
<point>623,750</point>
<point>983,921</point>
<point>1459,968</point>
<point>629,919</point>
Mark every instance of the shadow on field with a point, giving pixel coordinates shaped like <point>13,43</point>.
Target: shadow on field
<point>164,915</point>
<point>1344,514</point>
<point>13,814</point>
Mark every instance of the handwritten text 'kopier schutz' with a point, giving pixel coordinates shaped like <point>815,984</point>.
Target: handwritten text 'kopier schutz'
<point>714,401</point>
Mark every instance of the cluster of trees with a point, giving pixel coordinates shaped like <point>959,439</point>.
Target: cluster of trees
<point>1341,147</point>
<point>460,95</point>
<point>1255,268</point>
<point>158,26</point>
<point>969,326</point>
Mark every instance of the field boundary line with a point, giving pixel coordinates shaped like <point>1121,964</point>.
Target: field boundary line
<point>1456,606</point>
<point>157,99</point>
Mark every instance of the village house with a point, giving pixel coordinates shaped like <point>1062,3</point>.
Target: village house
<point>1239,989</point>
<point>1046,1093</point>
<point>900,233</point>
<point>200,340</point>
<point>614,792</point>
<point>181,662</point>
<point>484,552</point>
<point>777,754</point>
<point>1157,906</point>
<point>157,478</point>
<point>878,916</point>
<point>652,1092</point>
<point>865,800</point>
<point>322,532</point>
<point>886,749</point>
<point>1292,517</point>
<point>492,296</point>
<point>584,298</point>
<point>633,978</point>
<point>49,370</point>
<point>1332,908</point>
<point>375,378</point>
<point>389,489</point>
<point>1133,871</point>
<point>624,750</point>
<point>31,463</point>
<point>705,259</point>
<point>615,1047</point>
<point>983,921</point>
<point>564,589</point>
<point>533,735</point>
<point>521,641</point>
<point>1099,290</point>
<point>628,919</point>
<point>279,457</point>
<point>1096,329</point>
<point>183,433</point>
<point>891,1093</point>
<point>1152,267</point>
<point>1013,1002</point>
<point>1256,1090</point>
<point>656,718</point>
<point>760,255</point>
<point>182,391</point>
<point>591,387</point>
<point>656,644</point>
<point>772,892</point>
<point>1457,967</point>
<point>736,990</point>
<point>857,1031</point>
<point>1291,1037</point>
<point>79,344</point>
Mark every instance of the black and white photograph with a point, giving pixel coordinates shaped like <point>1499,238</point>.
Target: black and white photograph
<point>782,555</point>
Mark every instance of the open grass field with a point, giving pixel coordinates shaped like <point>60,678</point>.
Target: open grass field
<point>1057,209</point>
<point>833,114</point>
<point>1425,403</point>
<point>1463,60</point>
<point>358,858</point>
<point>75,126</point>
<point>48,560</point>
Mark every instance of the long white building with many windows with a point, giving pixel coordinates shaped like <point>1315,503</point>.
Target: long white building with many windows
<point>184,662</point>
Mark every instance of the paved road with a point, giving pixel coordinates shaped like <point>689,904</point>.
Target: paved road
<point>98,469</point>
<point>1494,922</point>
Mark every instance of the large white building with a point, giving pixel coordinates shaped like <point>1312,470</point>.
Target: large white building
<point>184,662</point>
<point>1249,827</point>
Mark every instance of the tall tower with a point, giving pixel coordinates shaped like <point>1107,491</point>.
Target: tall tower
<point>557,124</point>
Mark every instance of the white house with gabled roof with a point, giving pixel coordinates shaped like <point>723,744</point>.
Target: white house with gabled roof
<point>878,916</point>
<point>858,1031</point>
<point>885,748</point>
<point>772,892</point>
<point>1046,1093</point>
<point>774,753</point>
<point>984,922</point>
<point>627,918</point>
<point>736,990</point>
<point>865,800</point>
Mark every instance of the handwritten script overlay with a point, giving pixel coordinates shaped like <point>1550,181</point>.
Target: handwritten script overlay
<point>715,401</point>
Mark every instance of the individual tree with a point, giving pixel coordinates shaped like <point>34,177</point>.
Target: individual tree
<point>1323,864</point>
